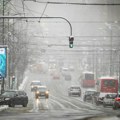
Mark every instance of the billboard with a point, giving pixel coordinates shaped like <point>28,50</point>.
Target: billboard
<point>3,61</point>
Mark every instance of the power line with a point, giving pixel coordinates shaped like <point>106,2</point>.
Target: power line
<point>75,3</point>
<point>43,12</point>
<point>28,9</point>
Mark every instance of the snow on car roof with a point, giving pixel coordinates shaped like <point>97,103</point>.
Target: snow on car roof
<point>91,90</point>
<point>36,81</point>
<point>88,72</point>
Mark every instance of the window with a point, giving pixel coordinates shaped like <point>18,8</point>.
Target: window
<point>89,76</point>
<point>110,83</point>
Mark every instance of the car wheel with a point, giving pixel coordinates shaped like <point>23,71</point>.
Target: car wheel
<point>11,104</point>
<point>104,105</point>
<point>97,103</point>
<point>36,96</point>
<point>24,104</point>
<point>47,96</point>
<point>115,106</point>
<point>84,98</point>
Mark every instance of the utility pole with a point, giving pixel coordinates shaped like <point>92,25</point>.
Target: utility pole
<point>3,22</point>
<point>3,37</point>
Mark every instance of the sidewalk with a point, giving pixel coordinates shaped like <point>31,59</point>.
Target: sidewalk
<point>3,107</point>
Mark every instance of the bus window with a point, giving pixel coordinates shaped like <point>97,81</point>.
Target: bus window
<point>110,83</point>
<point>89,76</point>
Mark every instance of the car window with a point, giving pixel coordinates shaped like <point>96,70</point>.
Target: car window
<point>8,94</point>
<point>36,83</point>
<point>42,89</point>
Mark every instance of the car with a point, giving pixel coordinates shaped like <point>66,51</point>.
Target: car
<point>68,77</point>
<point>35,85</point>
<point>116,103</point>
<point>14,97</point>
<point>109,99</point>
<point>74,90</point>
<point>88,94</point>
<point>41,92</point>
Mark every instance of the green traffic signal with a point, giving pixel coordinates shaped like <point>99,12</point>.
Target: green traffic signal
<point>71,45</point>
<point>71,39</point>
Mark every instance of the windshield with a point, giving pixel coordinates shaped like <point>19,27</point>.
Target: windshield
<point>42,89</point>
<point>111,96</point>
<point>71,47</point>
<point>90,92</point>
<point>36,83</point>
<point>89,76</point>
<point>8,94</point>
<point>111,83</point>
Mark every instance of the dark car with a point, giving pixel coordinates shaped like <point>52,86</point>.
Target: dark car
<point>14,97</point>
<point>42,92</point>
<point>74,90</point>
<point>88,95</point>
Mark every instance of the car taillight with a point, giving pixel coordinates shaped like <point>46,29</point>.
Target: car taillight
<point>117,99</point>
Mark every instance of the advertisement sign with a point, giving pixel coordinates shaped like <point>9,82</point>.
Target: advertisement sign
<point>3,62</point>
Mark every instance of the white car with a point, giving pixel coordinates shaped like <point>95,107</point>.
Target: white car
<point>109,99</point>
<point>74,90</point>
<point>35,85</point>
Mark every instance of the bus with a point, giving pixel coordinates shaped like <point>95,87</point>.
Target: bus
<point>87,80</point>
<point>107,85</point>
<point>104,86</point>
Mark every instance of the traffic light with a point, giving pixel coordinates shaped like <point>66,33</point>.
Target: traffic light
<point>71,39</point>
<point>13,79</point>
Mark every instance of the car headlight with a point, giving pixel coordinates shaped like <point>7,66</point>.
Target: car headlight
<point>47,92</point>
<point>37,92</point>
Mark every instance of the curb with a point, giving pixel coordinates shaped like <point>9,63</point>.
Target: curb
<point>3,107</point>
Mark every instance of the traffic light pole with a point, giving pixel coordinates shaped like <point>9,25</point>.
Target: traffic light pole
<point>30,17</point>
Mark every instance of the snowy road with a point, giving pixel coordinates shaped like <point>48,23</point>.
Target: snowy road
<point>58,106</point>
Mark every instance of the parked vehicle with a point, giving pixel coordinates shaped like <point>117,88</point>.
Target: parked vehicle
<point>74,90</point>
<point>88,94</point>
<point>109,99</point>
<point>116,103</point>
<point>42,92</point>
<point>14,97</point>
<point>35,85</point>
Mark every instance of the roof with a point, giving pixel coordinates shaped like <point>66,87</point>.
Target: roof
<point>91,90</point>
<point>36,81</point>
<point>107,77</point>
<point>88,72</point>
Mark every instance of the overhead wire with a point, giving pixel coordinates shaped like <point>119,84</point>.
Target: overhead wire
<point>14,8</point>
<point>76,3</point>
<point>43,12</point>
<point>30,10</point>
<point>22,1</point>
